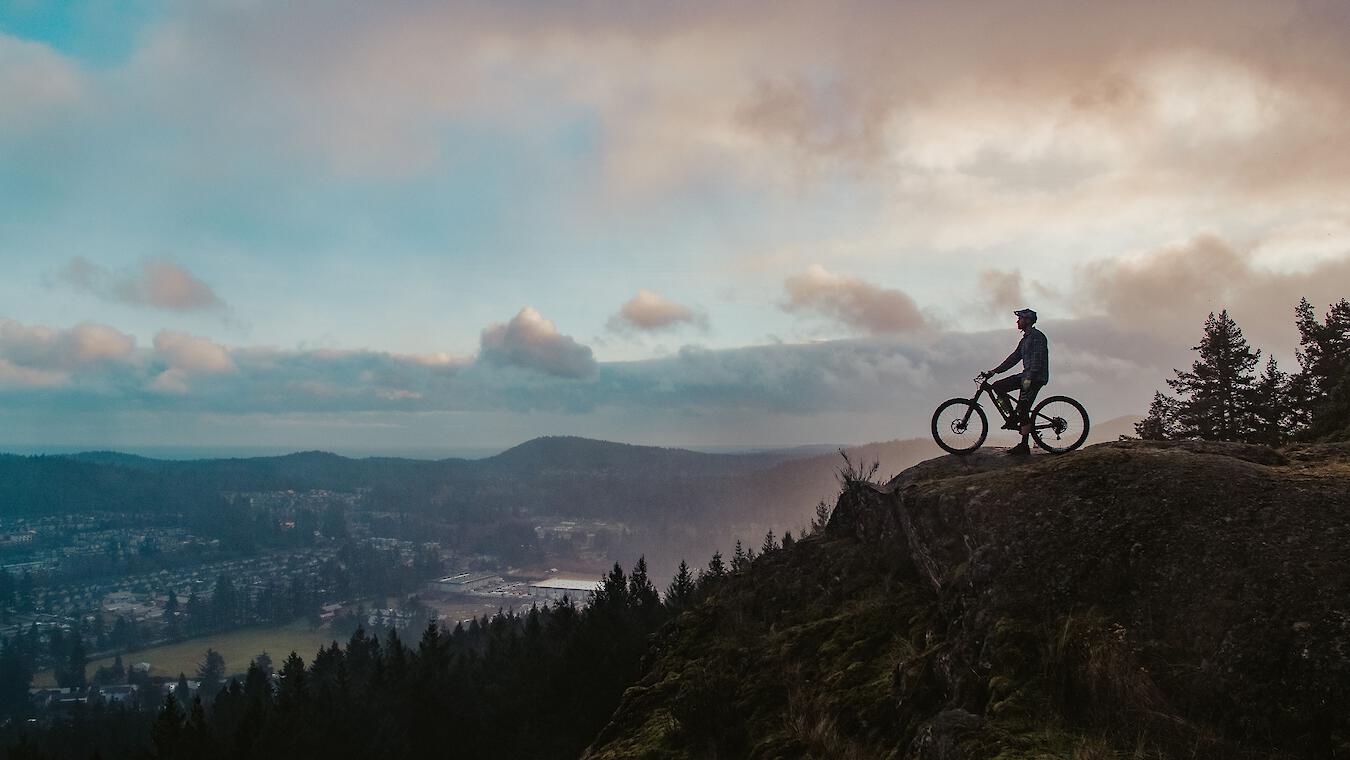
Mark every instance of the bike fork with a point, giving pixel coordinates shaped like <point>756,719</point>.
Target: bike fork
<point>970,409</point>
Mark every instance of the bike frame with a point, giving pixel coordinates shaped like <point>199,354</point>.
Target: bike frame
<point>985,387</point>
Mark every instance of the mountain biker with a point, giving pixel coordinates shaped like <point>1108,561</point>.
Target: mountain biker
<point>1034,353</point>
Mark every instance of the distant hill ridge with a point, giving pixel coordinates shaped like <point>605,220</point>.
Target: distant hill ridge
<point>551,475</point>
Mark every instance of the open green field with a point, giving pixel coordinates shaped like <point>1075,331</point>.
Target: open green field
<point>238,648</point>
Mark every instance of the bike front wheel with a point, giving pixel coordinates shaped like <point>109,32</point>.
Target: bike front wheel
<point>1059,424</point>
<point>959,426</point>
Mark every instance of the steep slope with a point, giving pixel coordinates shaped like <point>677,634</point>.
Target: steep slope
<point>1130,600</point>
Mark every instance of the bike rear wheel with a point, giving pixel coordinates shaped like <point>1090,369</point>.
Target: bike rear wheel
<point>959,426</point>
<point>1059,424</point>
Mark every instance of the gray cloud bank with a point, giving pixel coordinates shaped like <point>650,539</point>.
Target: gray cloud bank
<point>884,383</point>
<point>158,283</point>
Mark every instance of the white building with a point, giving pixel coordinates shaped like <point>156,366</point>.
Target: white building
<point>557,588</point>
<point>463,582</point>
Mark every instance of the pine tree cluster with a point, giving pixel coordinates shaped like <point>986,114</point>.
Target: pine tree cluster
<point>538,684</point>
<point>1222,398</point>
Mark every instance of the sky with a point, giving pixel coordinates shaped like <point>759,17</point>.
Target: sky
<point>417,226</point>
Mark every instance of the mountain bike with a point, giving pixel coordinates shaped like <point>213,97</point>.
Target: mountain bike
<point>1058,424</point>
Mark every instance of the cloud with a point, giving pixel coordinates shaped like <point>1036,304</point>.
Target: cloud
<point>97,366</point>
<point>187,356</point>
<point>875,77</point>
<point>1172,288</point>
<point>650,312</point>
<point>339,380</point>
<point>191,353</point>
<point>534,343</point>
<point>16,376</point>
<point>851,302</point>
<point>37,356</point>
<point>1002,291</point>
<point>835,386</point>
<point>158,283</point>
<point>45,348</point>
<point>36,83</point>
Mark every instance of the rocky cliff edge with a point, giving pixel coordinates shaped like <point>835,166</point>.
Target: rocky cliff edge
<point>1133,599</point>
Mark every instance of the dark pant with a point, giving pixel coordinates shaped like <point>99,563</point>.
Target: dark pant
<point>1024,398</point>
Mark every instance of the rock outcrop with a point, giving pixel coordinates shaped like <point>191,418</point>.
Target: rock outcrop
<point>1147,599</point>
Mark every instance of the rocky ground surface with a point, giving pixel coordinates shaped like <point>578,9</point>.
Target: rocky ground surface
<point>1133,599</point>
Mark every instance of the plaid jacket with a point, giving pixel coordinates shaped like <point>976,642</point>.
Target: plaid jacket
<point>1034,353</point>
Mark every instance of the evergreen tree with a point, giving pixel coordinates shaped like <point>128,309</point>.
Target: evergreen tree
<point>738,558</point>
<point>821,519</point>
<point>195,736</point>
<point>211,673</point>
<point>1217,398</point>
<point>770,543</point>
<point>257,688</point>
<point>788,540</point>
<point>642,594</point>
<point>1321,391</point>
<point>1216,402</point>
<point>264,663</point>
<point>613,593</point>
<point>168,728</point>
<point>125,634</point>
<point>681,590</point>
<point>1161,423</point>
<point>77,663</point>
<point>716,567</point>
<point>292,686</point>
<point>198,614</point>
<point>119,670</point>
<point>1272,411</point>
<point>227,711</point>
<point>182,689</point>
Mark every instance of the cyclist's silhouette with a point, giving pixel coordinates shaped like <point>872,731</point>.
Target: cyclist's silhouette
<point>1034,353</point>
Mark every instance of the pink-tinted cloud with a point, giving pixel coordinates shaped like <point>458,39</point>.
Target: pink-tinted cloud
<point>157,283</point>
<point>192,353</point>
<point>1169,290</point>
<point>47,348</point>
<point>938,87</point>
<point>648,311</point>
<point>187,356</point>
<point>37,356</point>
<point>533,342</point>
<point>851,302</point>
<point>1001,291</point>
